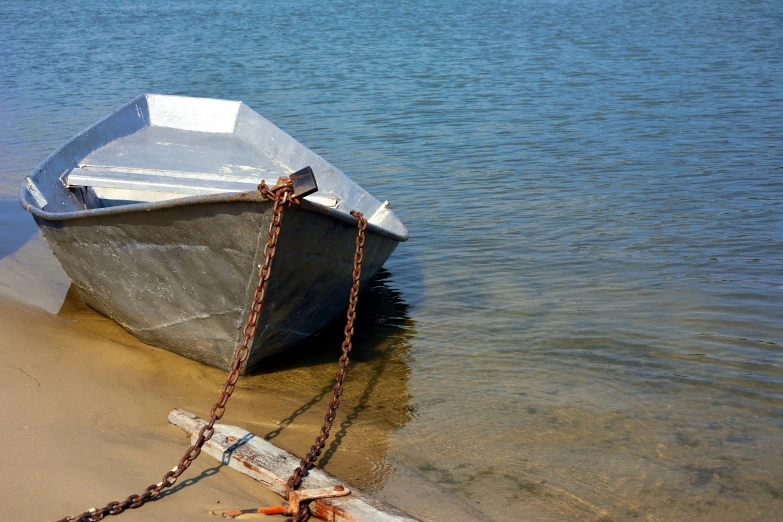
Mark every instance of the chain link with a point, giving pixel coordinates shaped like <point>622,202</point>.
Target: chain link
<point>283,195</point>
<point>308,462</point>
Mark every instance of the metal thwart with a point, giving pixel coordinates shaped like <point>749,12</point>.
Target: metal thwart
<point>286,193</point>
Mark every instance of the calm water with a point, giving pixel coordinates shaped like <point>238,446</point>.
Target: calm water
<point>587,319</point>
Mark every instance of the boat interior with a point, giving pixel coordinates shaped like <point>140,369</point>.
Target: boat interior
<point>160,148</point>
<point>160,163</point>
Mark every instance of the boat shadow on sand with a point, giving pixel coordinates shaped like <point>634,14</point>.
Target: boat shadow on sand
<point>295,386</point>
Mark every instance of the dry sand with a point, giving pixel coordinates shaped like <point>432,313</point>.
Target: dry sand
<point>85,423</point>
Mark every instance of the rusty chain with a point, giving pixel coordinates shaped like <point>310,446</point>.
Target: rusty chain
<point>283,195</point>
<point>308,462</point>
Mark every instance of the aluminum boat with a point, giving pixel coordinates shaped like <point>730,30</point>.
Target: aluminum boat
<point>154,214</point>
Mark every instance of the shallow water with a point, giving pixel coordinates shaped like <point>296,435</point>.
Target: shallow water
<point>586,321</point>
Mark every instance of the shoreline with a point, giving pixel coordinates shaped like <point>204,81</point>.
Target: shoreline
<point>88,423</point>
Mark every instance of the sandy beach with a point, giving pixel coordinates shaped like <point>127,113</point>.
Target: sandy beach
<point>85,417</point>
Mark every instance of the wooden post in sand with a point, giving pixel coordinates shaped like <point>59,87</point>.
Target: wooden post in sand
<point>271,466</point>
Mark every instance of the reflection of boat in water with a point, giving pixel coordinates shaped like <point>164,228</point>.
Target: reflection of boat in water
<point>154,215</point>
<point>376,401</point>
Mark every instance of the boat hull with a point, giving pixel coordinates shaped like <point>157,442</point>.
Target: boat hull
<point>182,277</point>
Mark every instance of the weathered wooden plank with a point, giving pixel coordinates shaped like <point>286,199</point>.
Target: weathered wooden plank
<point>271,466</point>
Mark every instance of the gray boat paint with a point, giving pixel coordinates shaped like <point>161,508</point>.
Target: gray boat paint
<point>129,208</point>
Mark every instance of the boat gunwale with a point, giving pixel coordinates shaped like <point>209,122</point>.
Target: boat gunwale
<point>227,197</point>
<point>37,211</point>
